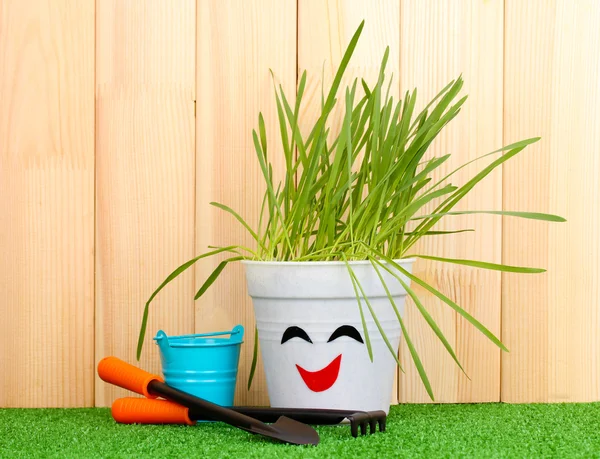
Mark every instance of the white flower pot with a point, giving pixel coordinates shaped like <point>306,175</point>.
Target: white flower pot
<point>310,333</point>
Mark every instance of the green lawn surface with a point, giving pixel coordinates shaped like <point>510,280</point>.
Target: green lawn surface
<point>479,430</point>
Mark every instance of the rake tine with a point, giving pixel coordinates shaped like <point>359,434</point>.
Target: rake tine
<point>354,428</point>
<point>373,425</point>
<point>363,428</point>
<point>378,417</point>
<point>360,418</point>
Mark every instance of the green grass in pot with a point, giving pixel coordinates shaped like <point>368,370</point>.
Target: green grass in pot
<point>360,193</point>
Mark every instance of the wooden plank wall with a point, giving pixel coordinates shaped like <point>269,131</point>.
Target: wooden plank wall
<point>144,174</point>
<point>121,120</point>
<point>47,203</point>
<point>439,41</point>
<point>552,88</point>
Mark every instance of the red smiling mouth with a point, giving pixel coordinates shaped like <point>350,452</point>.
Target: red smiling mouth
<point>323,379</point>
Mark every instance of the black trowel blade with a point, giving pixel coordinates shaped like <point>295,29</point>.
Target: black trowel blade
<point>289,431</point>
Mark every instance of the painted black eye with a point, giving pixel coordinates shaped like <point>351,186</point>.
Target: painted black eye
<point>294,332</point>
<point>346,330</point>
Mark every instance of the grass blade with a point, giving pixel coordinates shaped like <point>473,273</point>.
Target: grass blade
<point>413,352</point>
<point>440,233</point>
<point>393,351</point>
<point>482,328</point>
<point>522,143</point>
<point>169,278</point>
<point>484,265</point>
<point>254,358</point>
<point>214,275</point>
<point>239,219</point>
<point>362,315</point>
<point>430,321</point>
<point>509,213</point>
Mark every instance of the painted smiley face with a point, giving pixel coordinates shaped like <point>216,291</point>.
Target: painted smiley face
<point>323,379</point>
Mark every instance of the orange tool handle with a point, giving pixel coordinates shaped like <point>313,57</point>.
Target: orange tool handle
<point>130,410</point>
<point>115,371</point>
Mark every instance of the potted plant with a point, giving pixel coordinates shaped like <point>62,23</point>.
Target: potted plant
<point>330,270</point>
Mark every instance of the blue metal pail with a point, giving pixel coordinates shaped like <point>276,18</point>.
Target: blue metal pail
<point>202,364</point>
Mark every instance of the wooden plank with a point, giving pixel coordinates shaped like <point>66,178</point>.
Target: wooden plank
<point>439,41</point>
<point>47,203</point>
<point>145,174</point>
<point>237,43</point>
<point>324,31</point>
<point>552,89</point>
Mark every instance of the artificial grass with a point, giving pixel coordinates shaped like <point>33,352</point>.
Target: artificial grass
<point>486,430</point>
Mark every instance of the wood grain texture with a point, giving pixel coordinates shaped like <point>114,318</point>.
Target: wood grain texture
<point>46,203</point>
<point>439,41</point>
<point>237,43</point>
<point>145,78</point>
<point>550,322</point>
<point>531,68</point>
<point>324,31</point>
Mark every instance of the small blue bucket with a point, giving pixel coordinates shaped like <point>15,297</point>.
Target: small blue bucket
<point>201,364</point>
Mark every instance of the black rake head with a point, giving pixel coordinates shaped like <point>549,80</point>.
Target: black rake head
<point>362,419</point>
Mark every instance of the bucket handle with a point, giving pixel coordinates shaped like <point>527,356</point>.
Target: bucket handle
<point>238,329</point>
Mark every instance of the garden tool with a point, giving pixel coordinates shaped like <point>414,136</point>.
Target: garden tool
<point>130,410</point>
<point>122,374</point>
